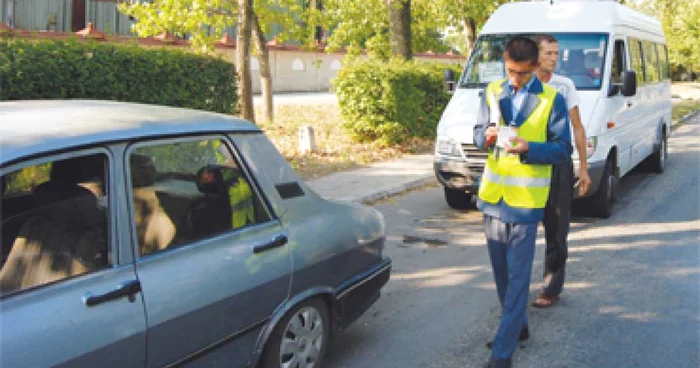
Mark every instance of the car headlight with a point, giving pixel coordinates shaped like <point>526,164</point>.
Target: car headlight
<point>447,147</point>
<point>591,144</point>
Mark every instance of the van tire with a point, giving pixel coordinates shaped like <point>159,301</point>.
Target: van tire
<point>603,201</point>
<point>657,160</point>
<point>458,199</point>
<point>317,310</point>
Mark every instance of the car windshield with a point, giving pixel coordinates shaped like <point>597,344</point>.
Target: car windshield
<point>581,59</point>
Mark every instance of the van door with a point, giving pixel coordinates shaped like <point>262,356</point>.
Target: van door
<point>639,105</point>
<point>623,113</point>
<point>66,299</point>
<point>213,261</point>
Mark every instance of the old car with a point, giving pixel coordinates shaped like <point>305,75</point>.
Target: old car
<point>146,236</point>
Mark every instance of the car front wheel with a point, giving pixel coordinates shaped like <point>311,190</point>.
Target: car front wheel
<point>300,339</point>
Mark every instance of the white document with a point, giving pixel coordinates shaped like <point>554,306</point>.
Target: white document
<point>505,133</point>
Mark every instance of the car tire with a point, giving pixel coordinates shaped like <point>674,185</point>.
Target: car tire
<point>657,160</point>
<point>302,335</point>
<point>603,201</point>
<point>458,199</point>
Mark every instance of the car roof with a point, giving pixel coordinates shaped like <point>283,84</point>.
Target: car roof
<point>29,128</point>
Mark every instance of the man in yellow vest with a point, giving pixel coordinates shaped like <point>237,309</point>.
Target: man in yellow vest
<point>525,126</point>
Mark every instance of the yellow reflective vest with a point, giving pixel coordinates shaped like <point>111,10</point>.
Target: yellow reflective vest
<point>520,185</point>
<point>241,197</point>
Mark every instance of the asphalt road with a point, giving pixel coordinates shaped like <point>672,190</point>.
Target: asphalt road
<point>631,298</point>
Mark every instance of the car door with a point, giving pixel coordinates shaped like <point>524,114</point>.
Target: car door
<point>67,297</point>
<point>625,111</point>
<point>218,266</point>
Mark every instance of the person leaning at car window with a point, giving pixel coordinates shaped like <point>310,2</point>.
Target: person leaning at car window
<point>533,124</point>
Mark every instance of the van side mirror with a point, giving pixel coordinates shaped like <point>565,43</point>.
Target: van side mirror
<point>448,77</point>
<point>628,87</point>
<point>629,83</point>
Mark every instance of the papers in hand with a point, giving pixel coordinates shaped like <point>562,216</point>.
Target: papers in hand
<point>505,133</point>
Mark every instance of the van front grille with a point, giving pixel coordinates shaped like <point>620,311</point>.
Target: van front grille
<point>476,158</point>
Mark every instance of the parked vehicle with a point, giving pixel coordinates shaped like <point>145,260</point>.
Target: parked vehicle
<point>618,60</point>
<point>147,236</point>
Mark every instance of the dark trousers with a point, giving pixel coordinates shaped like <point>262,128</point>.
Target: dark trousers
<point>511,249</point>
<point>557,216</point>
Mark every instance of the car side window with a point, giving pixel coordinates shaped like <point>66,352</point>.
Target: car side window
<point>651,62</point>
<point>54,221</point>
<point>186,191</point>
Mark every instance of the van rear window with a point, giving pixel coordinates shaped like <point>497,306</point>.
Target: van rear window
<point>581,58</point>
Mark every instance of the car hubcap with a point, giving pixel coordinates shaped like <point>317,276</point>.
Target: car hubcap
<point>302,340</point>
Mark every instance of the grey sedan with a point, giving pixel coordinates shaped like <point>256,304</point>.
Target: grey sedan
<point>148,236</point>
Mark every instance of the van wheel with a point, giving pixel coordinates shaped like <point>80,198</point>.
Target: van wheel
<point>657,160</point>
<point>458,199</point>
<point>604,199</point>
<point>300,339</point>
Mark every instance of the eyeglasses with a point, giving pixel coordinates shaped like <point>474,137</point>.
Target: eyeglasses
<point>512,72</point>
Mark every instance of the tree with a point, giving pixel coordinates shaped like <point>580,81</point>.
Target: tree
<point>400,28</point>
<point>465,17</point>
<point>245,85</point>
<point>680,21</point>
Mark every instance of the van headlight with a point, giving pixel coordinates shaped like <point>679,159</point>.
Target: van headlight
<point>591,144</point>
<point>447,147</point>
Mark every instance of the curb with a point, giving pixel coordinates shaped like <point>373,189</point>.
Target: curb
<point>683,119</point>
<point>399,189</point>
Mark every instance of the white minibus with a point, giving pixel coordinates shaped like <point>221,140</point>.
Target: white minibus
<point>618,60</point>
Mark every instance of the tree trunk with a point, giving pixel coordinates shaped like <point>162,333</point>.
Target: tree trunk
<point>245,85</point>
<point>470,28</point>
<point>400,28</point>
<point>265,75</point>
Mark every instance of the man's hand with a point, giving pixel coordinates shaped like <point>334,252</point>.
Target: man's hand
<point>491,135</point>
<point>518,146</point>
<point>584,182</point>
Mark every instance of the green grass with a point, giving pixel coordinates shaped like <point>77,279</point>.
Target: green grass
<point>683,108</point>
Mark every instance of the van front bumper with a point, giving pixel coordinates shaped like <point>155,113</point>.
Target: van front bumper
<point>457,174</point>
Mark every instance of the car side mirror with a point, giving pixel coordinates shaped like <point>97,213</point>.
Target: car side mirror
<point>629,83</point>
<point>449,80</point>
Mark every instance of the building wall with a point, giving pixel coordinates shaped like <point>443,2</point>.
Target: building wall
<point>43,15</point>
<point>105,17</point>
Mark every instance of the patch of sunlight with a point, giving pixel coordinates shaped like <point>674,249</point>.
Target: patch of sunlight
<point>682,272</point>
<point>638,229</point>
<point>579,285</point>
<point>449,280</point>
<point>625,246</point>
<point>615,309</point>
<point>639,317</point>
<point>437,272</point>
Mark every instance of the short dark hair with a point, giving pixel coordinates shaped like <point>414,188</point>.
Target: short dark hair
<point>521,49</point>
<point>542,37</point>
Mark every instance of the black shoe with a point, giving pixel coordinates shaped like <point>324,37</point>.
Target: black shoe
<point>524,335</point>
<point>498,363</point>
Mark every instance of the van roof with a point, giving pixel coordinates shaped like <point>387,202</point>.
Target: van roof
<point>568,17</point>
<point>33,127</point>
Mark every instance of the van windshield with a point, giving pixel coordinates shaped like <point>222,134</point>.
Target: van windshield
<point>581,59</point>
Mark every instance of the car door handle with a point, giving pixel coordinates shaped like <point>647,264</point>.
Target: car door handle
<point>128,289</point>
<point>277,241</point>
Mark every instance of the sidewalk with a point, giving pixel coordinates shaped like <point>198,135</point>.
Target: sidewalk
<point>377,181</point>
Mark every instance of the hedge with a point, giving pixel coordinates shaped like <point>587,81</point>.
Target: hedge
<point>391,101</point>
<point>71,69</point>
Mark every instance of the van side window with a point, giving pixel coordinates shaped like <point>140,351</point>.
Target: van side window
<point>651,62</point>
<point>618,62</point>
<point>187,191</point>
<point>663,61</point>
<point>636,59</point>
<point>53,222</point>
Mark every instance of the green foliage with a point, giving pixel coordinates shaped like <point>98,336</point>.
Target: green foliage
<point>391,101</point>
<point>681,24</point>
<point>25,180</point>
<point>45,69</point>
